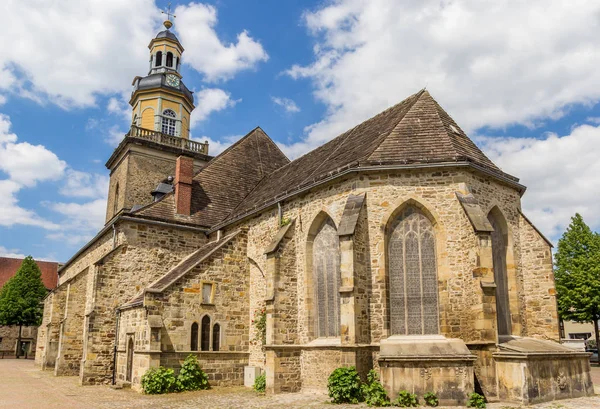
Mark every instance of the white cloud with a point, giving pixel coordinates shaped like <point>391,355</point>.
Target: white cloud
<point>210,100</point>
<point>119,106</point>
<point>205,52</point>
<point>287,104</point>
<point>12,253</point>
<point>28,164</point>
<point>12,214</point>
<point>215,147</point>
<point>82,220</point>
<point>488,64</point>
<point>561,173</point>
<point>114,135</point>
<point>69,51</point>
<point>83,184</point>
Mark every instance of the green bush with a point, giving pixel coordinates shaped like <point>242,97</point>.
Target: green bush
<point>431,399</point>
<point>192,377</point>
<point>344,386</point>
<point>260,383</point>
<point>407,400</point>
<point>159,380</point>
<point>476,401</point>
<point>373,391</point>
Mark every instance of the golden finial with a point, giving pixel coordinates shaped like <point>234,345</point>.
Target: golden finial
<point>167,23</point>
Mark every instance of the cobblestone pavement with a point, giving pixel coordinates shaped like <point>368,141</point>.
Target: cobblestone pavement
<point>24,386</point>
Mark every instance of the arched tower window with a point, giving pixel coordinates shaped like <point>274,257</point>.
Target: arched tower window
<point>499,245</point>
<point>116,200</point>
<point>158,59</point>
<point>412,274</point>
<point>169,59</point>
<point>326,278</point>
<point>205,335</point>
<point>194,337</point>
<point>168,122</point>
<point>216,337</point>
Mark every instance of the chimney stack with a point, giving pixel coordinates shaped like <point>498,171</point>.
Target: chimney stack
<point>184,171</point>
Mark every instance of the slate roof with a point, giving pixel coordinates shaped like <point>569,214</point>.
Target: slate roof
<point>415,131</point>
<point>225,181</point>
<point>10,266</point>
<point>167,34</point>
<point>254,173</point>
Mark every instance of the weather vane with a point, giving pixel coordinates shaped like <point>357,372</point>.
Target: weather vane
<point>168,24</point>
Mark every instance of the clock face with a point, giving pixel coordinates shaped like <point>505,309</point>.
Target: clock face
<point>173,80</point>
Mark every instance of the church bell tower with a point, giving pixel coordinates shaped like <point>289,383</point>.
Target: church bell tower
<point>160,100</point>
<point>159,133</point>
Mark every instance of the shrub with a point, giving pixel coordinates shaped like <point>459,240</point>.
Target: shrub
<point>373,391</point>
<point>476,401</point>
<point>344,386</point>
<point>431,399</point>
<point>260,383</point>
<point>407,400</point>
<point>159,380</point>
<point>192,377</point>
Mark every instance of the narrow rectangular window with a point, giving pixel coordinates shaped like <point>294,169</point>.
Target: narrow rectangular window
<point>207,289</point>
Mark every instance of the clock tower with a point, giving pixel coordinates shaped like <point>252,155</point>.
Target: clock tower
<point>159,133</point>
<point>161,101</point>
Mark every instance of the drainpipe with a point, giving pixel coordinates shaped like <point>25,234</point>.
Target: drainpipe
<point>114,372</point>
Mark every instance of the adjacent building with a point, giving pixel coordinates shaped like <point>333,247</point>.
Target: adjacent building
<point>9,335</point>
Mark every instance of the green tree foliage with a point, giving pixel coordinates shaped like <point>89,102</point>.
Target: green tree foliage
<point>21,297</point>
<point>577,274</point>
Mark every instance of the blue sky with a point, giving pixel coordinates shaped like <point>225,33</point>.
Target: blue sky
<point>521,79</point>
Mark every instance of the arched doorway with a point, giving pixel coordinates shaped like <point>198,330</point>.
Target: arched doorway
<point>129,360</point>
<point>499,247</point>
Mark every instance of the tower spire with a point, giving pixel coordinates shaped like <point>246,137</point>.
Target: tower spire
<point>167,23</point>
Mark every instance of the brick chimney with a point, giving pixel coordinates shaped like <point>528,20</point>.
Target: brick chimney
<point>184,171</point>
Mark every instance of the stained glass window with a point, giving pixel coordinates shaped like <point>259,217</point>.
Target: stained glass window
<point>194,337</point>
<point>205,335</point>
<point>412,275</point>
<point>216,337</point>
<point>326,270</point>
<point>500,278</point>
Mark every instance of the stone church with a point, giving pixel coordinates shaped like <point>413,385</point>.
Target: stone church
<point>396,246</point>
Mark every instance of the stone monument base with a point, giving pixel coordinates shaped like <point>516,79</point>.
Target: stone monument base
<point>532,371</point>
<point>421,364</point>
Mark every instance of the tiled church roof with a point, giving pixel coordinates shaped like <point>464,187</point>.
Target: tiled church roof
<point>224,182</point>
<point>253,172</point>
<point>415,131</point>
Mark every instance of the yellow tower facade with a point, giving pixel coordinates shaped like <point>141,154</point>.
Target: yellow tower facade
<point>161,101</point>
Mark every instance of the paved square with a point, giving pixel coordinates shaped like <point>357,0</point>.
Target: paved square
<point>26,387</point>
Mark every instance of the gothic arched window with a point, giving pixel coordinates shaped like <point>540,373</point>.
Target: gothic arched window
<point>412,274</point>
<point>499,244</point>
<point>194,337</point>
<point>216,341</point>
<point>326,273</point>
<point>168,122</point>
<point>205,334</point>
<point>169,59</point>
<point>158,59</point>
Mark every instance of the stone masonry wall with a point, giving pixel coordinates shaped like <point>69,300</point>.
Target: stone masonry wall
<point>181,304</point>
<point>151,251</point>
<point>144,173</point>
<point>117,177</point>
<point>71,334</point>
<point>9,336</point>
<point>539,310</point>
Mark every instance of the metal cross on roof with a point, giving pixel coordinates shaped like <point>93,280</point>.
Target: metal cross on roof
<point>167,11</point>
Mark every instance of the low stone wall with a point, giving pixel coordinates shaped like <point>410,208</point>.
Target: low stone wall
<point>222,368</point>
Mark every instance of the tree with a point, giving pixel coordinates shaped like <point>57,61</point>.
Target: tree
<point>577,274</point>
<point>21,298</point>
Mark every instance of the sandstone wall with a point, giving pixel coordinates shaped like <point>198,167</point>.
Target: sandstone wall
<point>144,173</point>
<point>118,176</point>
<point>151,251</point>
<point>10,334</point>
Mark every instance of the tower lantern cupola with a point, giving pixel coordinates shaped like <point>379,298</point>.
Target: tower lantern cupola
<point>161,102</point>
